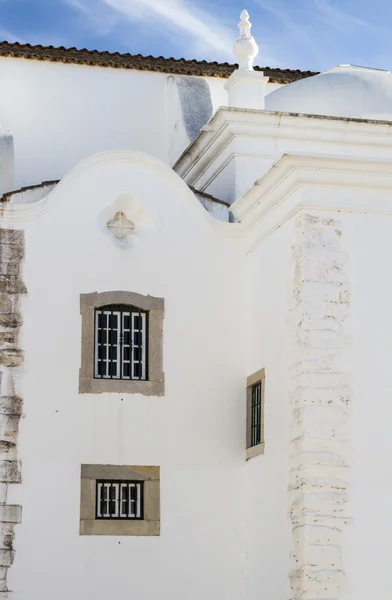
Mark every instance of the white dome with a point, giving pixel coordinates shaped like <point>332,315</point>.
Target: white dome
<point>345,91</point>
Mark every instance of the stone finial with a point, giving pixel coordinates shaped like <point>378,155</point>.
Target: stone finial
<point>245,49</point>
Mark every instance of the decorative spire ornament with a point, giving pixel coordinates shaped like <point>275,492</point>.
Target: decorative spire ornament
<point>245,49</point>
<point>245,86</point>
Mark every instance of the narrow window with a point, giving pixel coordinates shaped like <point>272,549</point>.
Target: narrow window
<point>119,500</point>
<point>255,414</point>
<point>120,343</point>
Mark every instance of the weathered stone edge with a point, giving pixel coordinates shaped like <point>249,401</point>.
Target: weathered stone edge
<point>11,405</point>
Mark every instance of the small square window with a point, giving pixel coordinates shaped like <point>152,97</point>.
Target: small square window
<point>120,500</point>
<point>255,414</point>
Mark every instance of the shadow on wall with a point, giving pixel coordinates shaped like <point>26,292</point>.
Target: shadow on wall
<point>189,108</point>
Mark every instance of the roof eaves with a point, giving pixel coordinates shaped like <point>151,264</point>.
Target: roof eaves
<point>178,66</point>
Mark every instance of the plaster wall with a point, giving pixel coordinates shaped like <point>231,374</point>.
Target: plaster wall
<point>367,549</point>
<point>268,527</point>
<point>340,395</point>
<point>62,113</point>
<point>195,433</point>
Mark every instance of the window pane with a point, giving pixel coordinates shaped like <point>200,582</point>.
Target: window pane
<point>137,370</point>
<point>113,369</point>
<point>102,321</point>
<point>113,321</point>
<point>127,322</point>
<point>138,322</point>
<point>126,370</point>
<point>101,336</point>
<point>127,338</point>
<point>137,338</point>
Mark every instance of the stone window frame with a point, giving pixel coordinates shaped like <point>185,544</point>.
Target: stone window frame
<point>148,526</point>
<point>258,377</point>
<point>155,384</point>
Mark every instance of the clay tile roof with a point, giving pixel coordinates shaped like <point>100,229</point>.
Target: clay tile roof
<point>178,66</point>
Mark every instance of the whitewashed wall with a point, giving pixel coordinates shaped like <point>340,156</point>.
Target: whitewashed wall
<point>368,543</point>
<point>62,113</point>
<point>268,528</point>
<point>195,433</point>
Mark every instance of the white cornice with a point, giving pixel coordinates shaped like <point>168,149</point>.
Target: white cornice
<point>229,123</point>
<point>272,199</point>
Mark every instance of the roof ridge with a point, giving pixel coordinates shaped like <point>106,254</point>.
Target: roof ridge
<point>103,58</point>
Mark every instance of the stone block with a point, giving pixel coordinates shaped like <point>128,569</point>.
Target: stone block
<point>12,236</point>
<point>7,337</point>
<point>10,268</point>
<point>8,450</point>
<point>11,320</point>
<point>10,471</point>
<point>11,357</point>
<point>10,513</point>
<point>6,557</point>
<point>12,284</point>
<point>11,252</point>
<point>11,405</point>
<point>7,535</point>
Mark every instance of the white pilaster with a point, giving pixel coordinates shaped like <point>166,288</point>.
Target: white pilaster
<point>320,399</point>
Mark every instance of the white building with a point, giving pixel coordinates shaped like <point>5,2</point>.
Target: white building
<point>195,329</point>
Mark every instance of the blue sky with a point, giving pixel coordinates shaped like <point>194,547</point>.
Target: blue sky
<point>303,34</point>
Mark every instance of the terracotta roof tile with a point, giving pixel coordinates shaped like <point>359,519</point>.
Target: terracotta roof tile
<point>178,66</point>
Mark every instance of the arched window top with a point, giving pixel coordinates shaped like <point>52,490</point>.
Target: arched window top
<point>121,307</point>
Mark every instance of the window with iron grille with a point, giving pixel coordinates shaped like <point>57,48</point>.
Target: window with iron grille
<point>255,425</point>
<point>121,334</point>
<point>255,414</point>
<point>119,500</point>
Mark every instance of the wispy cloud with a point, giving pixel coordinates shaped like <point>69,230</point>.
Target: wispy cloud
<point>336,17</point>
<point>182,21</point>
<point>296,32</point>
<point>290,30</point>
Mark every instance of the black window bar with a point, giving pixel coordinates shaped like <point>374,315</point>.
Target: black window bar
<point>256,415</point>
<point>121,342</point>
<point>119,500</point>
